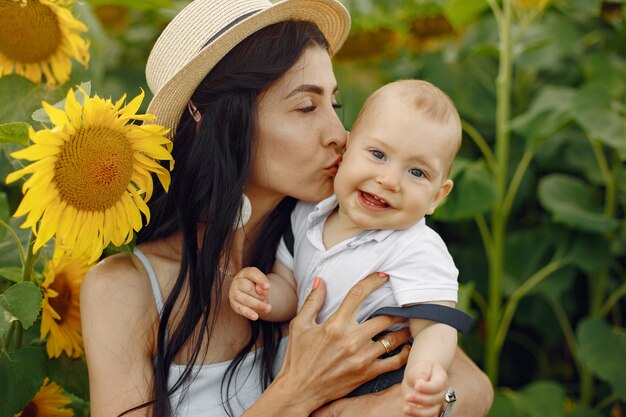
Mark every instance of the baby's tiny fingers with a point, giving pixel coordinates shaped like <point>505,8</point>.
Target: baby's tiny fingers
<point>252,302</point>
<point>242,310</point>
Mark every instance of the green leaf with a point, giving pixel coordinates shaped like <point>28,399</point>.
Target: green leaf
<point>548,113</point>
<point>592,108</point>
<point>472,195</point>
<point>40,114</point>
<point>571,202</point>
<point>14,133</point>
<point>22,301</point>
<point>544,398</point>
<point>460,12</point>
<point>71,374</point>
<point>20,97</point>
<point>503,406</point>
<point>21,376</point>
<point>602,351</point>
<point>12,273</point>
<point>134,4</point>
<point>591,253</point>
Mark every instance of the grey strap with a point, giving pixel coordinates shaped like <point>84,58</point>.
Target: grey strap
<point>441,314</point>
<point>158,297</point>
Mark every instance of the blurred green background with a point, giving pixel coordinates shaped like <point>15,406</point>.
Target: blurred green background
<point>536,222</point>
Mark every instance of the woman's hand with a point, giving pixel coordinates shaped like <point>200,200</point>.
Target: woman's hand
<point>387,403</point>
<point>326,361</point>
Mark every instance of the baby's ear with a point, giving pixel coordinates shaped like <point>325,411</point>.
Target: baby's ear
<point>444,190</point>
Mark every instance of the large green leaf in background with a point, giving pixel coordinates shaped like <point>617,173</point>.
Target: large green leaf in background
<point>547,114</point>
<point>21,376</point>
<point>472,195</point>
<point>461,12</point>
<point>539,399</point>
<point>571,202</point>
<point>602,351</point>
<point>14,133</point>
<point>593,109</point>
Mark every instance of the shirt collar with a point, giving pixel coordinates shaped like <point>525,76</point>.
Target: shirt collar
<point>326,206</point>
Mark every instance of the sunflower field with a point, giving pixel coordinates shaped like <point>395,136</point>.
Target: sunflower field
<point>536,222</point>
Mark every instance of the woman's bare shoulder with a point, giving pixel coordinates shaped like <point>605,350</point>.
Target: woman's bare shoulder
<point>118,284</point>
<point>119,272</point>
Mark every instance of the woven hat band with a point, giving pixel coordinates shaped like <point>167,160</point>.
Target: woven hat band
<point>228,26</point>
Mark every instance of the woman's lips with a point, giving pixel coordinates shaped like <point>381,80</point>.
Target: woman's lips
<point>334,167</point>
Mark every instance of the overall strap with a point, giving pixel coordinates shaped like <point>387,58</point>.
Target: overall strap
<point>441,314</point>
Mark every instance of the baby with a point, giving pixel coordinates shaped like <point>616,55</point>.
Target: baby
<point>395,170</point>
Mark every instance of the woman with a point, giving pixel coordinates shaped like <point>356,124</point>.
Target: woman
<point>248,90</point>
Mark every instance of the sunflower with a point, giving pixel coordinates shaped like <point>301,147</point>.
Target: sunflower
<point>39,37</point>
<point>60,311</point>
<point>92,174</point>
<point>48,402</point>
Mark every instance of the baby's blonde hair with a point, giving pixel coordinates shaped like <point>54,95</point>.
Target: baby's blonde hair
<point>426,98</point>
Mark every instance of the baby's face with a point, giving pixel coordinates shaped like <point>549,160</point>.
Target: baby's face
<point>395,167</point>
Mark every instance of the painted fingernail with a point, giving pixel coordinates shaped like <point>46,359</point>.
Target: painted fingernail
<point>383,275</point>
<point>316,282</point>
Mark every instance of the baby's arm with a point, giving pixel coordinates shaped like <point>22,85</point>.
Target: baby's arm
<point>271,297</point>
<point>425,378</point>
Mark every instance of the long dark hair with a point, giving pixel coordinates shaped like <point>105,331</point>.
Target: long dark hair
<point>211,171</point>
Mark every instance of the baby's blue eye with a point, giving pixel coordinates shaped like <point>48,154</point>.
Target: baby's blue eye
<point>377,154</point>
<point>416,172</point>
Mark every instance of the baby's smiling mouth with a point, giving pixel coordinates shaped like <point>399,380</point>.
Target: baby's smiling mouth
<point>373,200</point>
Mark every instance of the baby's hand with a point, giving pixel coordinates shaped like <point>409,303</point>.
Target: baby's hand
<point>248,293</point>
<point>423,389</point>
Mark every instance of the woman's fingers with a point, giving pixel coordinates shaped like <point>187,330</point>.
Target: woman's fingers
<point>311,307</point>
<point>358,293</point>
<point>389,342</point>
<point>381,366</point>
<point>375,325</point>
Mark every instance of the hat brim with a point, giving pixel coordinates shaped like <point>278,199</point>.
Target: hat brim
<point>170,101</point>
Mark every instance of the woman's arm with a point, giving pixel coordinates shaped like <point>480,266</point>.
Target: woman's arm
<point>117,314</point>
<point>326,361</point>
<point>473,390</point>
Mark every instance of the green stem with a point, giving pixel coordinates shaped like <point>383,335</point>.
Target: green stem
<point>481,143</point>
<point>504,18</point>
<point>610,194</point>
<point>614,298</point>
<point>485,235</point>
<point>17,240</point>
<point>605,402</point>
<point>568,333</point>
<point>520,293</point>
<point>27,272</point>
<point>516,181</point>
<point>480,302</point>
<point>8,337</point>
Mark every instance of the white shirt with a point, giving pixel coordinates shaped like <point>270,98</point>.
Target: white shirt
<point>417,260</point>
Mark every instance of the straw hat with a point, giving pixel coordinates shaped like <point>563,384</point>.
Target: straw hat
<point>206,30</point>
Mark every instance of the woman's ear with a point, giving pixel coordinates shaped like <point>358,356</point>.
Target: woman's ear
<point>444,190</point>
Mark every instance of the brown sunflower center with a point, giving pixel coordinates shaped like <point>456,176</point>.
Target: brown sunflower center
<point>63,301</point>
<point>94,169</point>
<point>30,410</point>
<point>29,32</point>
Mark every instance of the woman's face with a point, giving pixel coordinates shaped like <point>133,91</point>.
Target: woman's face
<point>299,133</point>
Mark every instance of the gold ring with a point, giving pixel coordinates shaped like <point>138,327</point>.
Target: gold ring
<point>386,344</point>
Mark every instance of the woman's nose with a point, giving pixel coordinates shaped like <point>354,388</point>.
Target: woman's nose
<point>335,134</point>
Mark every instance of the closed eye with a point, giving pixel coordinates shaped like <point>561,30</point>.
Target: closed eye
<point>416,172</point>
<point>307,109</point>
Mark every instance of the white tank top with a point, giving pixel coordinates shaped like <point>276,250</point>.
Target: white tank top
<point>203,397</point>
